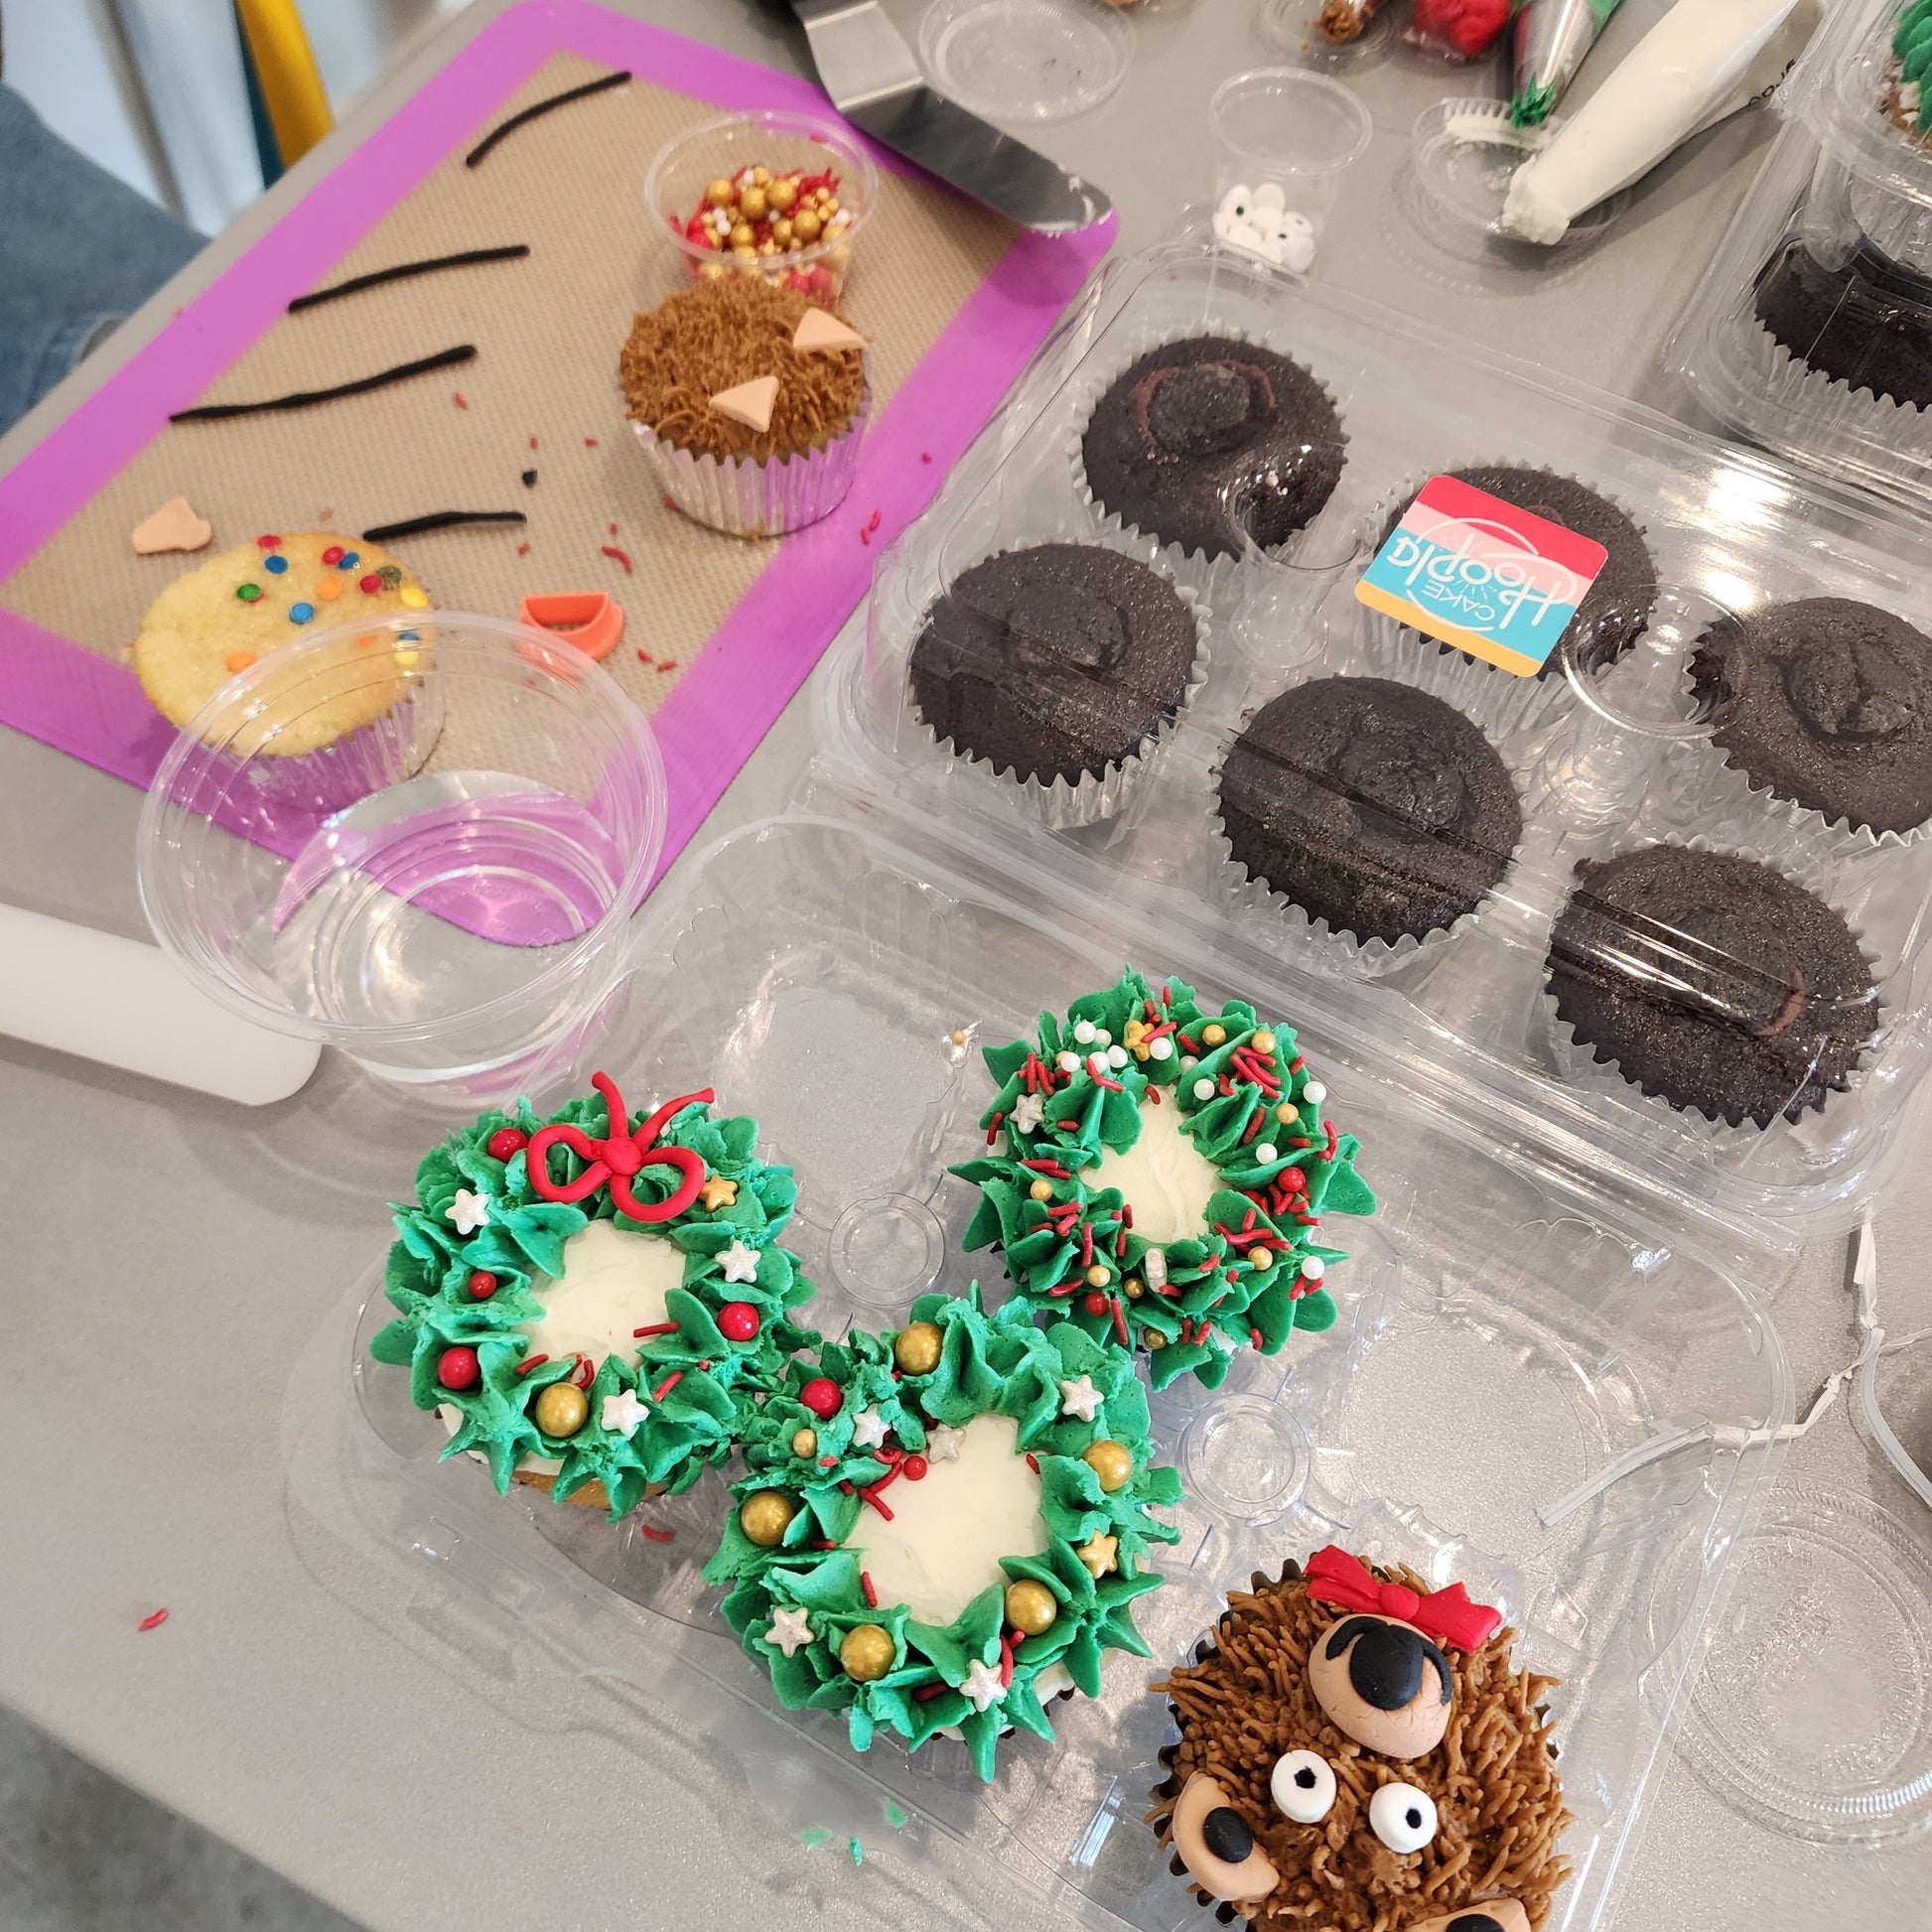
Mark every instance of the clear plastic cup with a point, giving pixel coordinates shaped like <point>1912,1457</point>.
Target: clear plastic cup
<point>1025,60</point>
<point>680,177</point>
<point>1284,137</point>
<point>418,840</point>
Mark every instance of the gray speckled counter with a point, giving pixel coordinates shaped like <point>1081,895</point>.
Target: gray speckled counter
<point>297,1702</point>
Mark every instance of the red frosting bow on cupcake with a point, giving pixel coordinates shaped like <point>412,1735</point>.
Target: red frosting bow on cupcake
<point>620,1155</point>
<point>1448,1615</point>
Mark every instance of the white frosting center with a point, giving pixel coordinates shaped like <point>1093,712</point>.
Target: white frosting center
<point>612,1283</point>
<point>1163,1176</point>
<point>951,1529</point>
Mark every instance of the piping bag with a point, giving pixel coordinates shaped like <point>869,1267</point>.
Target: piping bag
<point>1700,64</point>
<point>1552,38</point>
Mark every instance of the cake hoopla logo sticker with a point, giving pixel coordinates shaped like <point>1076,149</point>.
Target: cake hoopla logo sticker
<point>1477,572</point>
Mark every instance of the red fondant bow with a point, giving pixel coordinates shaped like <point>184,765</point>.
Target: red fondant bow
<point>618,1156</point>
<point>1334,1577</point>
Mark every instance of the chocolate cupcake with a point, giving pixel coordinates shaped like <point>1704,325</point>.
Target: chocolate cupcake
<point>1370,805</point>
<point>1060,665</point>
<point>1711,982</point>
<point>1828,703</point>
<point>1617,607</point>
<point>1204,440</point>
<point>1866,322</point>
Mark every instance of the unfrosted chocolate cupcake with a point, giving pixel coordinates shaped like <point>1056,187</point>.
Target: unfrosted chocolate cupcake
<point>1828,702</point>
<point>1713,982</point>
<point>1866,322</point>
<point>1057,661</point>
<point>1617,607</point>
<point>1209,438</point>
<point>1371,805</point>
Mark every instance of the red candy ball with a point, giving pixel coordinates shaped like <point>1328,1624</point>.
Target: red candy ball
<point>368,586</point>
<point>459,1368</point>
<point>912,1467</point>
<point>333,554</point>
<point>1094,1302</point>
<point>482,1284</point>
<point>739,1322</point>
<point>505,1141</point>
<point>821,1396</point>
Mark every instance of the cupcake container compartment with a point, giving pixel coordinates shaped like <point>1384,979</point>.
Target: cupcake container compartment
<point>1597,759</point>
<point>1508,1328</point>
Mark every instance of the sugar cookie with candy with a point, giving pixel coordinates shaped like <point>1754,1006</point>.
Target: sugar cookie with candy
<point>1359,1753</point>
<point>216,621</point>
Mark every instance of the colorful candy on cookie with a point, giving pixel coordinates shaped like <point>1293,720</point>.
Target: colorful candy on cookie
<point>944,1528</point>
<point>1158,1174</point>
<point>771,223</point>
<point>1358,1752</point>
<point>594,1302</point>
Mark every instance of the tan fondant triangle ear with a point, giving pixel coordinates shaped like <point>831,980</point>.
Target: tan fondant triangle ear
<point>174,526</point>
<point>819,333</point>
<point>750,403</point>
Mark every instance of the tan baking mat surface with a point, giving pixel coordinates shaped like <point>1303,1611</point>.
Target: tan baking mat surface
<point>547,330</point>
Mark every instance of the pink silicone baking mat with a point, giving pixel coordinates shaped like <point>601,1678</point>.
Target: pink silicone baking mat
<point>63,680</point>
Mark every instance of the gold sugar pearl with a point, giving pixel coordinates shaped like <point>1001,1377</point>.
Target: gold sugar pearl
<point>1154,1337</point>
<point>806,226</point>
<point>916,1350</point>
<point>781,231</point>
<point>1041,1190</point>
<point>829,206</point>
<point>719,193</point>
<point>766,1516</point>
<point>760,176</point>
<point>1031,1607</point>
<point>1098,1277</point>
<point>1213,1034</point>
<point>867,1652</point>
<point>562,1410</point>
<point>1263,1042</point>
<point>1134,1289</point>
<point>1286,1114</point>
<point>741,236</point>
<point>1262,1258</point>
<point>805,1443</point>
<point>782,194</point>
<point>1111,1463</point>
<point>750,204</point>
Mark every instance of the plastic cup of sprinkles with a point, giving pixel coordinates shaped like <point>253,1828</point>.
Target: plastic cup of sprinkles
<point>772,194</point>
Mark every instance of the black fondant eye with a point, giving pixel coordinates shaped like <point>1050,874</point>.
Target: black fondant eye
<point>1402,1817</point>
<point>1302,1785</point>
<point>1225,1832</point>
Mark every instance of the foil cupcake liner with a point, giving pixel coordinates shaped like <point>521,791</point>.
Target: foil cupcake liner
<point>1501,702</point>
<point>745,499</point>
<point>1711,789</point>
<point>1246,893</point>
<point>1216,577</point>
<point>1063,805</point>
<point>1594,1076</point>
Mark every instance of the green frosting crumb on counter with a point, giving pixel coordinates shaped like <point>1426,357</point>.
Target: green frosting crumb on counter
<point>857,1850</point>
<point>896,1814</point>
<point>813,1838</point>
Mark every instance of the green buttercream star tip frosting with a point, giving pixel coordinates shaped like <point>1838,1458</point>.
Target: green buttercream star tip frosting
<point>1230,1256</point>
<point>485,1239</point>
<point>855,1437</point>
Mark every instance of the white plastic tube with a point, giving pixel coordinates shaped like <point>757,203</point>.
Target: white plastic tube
<point>129,1005</point>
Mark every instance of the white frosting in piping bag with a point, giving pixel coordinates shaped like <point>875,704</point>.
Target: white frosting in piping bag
<point>1701,62</point>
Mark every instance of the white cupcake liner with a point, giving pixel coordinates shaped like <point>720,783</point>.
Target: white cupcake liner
<point>1593,1075</point>
<point>1245,893</point>
<point>1712,790</point>
<point>1062,805</point>
<point>1500,701</point>
<point>747,498</point>
<point>1216,577</point>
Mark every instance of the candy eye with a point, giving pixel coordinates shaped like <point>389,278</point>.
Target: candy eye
<point>1302,1785</point>
<point>1402,1817</point>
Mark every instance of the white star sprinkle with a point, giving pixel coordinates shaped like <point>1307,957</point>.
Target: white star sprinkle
<point>1028,1113</point>
<point>789,1629</point>
<point>942,1443</point>
<point>623,1411</point>
<point>869,1429</point>
<point>983,1684</point>
<point>740,1263</point>
<point>1080,1398</point>
<point>468,1211</point>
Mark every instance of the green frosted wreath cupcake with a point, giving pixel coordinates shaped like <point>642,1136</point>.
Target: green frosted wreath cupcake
<point>945,1527</point>
<point>592,1303</point>
<point>1159,1175</point>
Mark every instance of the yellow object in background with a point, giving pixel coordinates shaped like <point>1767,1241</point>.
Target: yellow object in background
<point>285,70</point>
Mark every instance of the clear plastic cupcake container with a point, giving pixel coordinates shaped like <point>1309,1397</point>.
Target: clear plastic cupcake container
<point>680,199</point>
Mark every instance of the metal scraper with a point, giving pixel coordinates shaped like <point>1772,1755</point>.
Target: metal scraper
<point>869,70</point>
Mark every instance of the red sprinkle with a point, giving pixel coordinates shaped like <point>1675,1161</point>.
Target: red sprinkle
<point>533,442</point>
<point>590,442</point>
<point>611,550</point>
<point>153,1621</point>
<point>865,1586</point>
<point>1254,1338</point>
<point>655,1534</point>
<point>535,1362</point>
<point>994,1126</point>
<point>927,1691</point>
<point>870,1497</point>
<point>655,1328</point>
<point>614,529</point>
<point>667,664</point>
<point>873,524</point>
<point>1006,1658</point>
<point>668,1385</point>
<point>643,656</point>
<point>455,396</point>
<point>585,1373</point>
<point>1120,1320</point>
<point>864,537</point>
<point>1032,1462</point>
<point>522,549</point>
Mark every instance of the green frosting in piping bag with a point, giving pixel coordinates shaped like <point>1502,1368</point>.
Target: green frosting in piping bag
<point>681,1409</point>
<point>808,1592</point>
<point>1251,1273</point>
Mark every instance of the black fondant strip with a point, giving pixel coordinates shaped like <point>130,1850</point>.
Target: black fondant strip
<point>563,100</point>
<point>403,270</point>
<point>216,412</point>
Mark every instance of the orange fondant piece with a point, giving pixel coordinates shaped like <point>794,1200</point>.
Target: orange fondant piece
<point>819,333</point>
<point>174,526</point>
<point>750,403</point>
<point>590,619</point>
